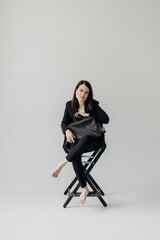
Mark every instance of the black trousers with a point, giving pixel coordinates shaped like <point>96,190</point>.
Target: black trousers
<point>85,144</point>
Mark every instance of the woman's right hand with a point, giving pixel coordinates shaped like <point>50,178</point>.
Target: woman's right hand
<point>70,136</point>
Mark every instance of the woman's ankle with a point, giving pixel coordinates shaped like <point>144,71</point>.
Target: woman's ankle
<point>65,162</point>
<point>85,188</point>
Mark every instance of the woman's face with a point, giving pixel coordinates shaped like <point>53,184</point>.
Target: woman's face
<point>82,93</point>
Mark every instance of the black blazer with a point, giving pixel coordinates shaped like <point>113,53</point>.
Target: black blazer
<point>97,112</point>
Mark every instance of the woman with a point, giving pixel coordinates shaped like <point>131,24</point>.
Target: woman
<point>81,104</point>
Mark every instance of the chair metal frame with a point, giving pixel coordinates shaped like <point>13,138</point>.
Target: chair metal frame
<point>88,165</point>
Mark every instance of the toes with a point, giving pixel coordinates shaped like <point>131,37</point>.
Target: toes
<point>54,175</point>
<point>82,199</point>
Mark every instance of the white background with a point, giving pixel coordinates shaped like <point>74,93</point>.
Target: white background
<point>46,48</point>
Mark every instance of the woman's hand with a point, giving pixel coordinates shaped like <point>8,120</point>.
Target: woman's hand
<point>70,136</point>
<point>81,113</point>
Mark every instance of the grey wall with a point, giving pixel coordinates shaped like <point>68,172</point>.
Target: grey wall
<point>46,48</point>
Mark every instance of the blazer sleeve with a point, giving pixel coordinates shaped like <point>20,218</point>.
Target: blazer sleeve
<point>66,119</point>
<point>99,114</point>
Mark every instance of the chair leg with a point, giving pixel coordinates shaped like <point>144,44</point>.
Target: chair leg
<point>71,195</point>
<point>95,190</point>
<point>102,201</point>
<point>70,186</point>
<point>95,184</point>
<point>67,201</point>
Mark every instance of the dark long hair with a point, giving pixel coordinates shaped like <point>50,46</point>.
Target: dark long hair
<point>88,105</point>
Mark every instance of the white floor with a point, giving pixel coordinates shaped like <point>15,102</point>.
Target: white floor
<point>127,216</point>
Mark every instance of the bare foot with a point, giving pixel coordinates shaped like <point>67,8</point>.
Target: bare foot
<point>83,195</point>
<point>57,170</point>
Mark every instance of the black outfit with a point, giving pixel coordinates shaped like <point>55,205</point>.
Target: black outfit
<point>85,144</point>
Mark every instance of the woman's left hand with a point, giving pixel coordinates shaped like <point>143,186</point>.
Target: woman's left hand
<point>81,113</point>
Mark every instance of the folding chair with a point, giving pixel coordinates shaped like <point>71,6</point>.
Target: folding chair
<point>88,165</point>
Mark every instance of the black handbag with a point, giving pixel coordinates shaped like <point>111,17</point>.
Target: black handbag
<point>85,126</point>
